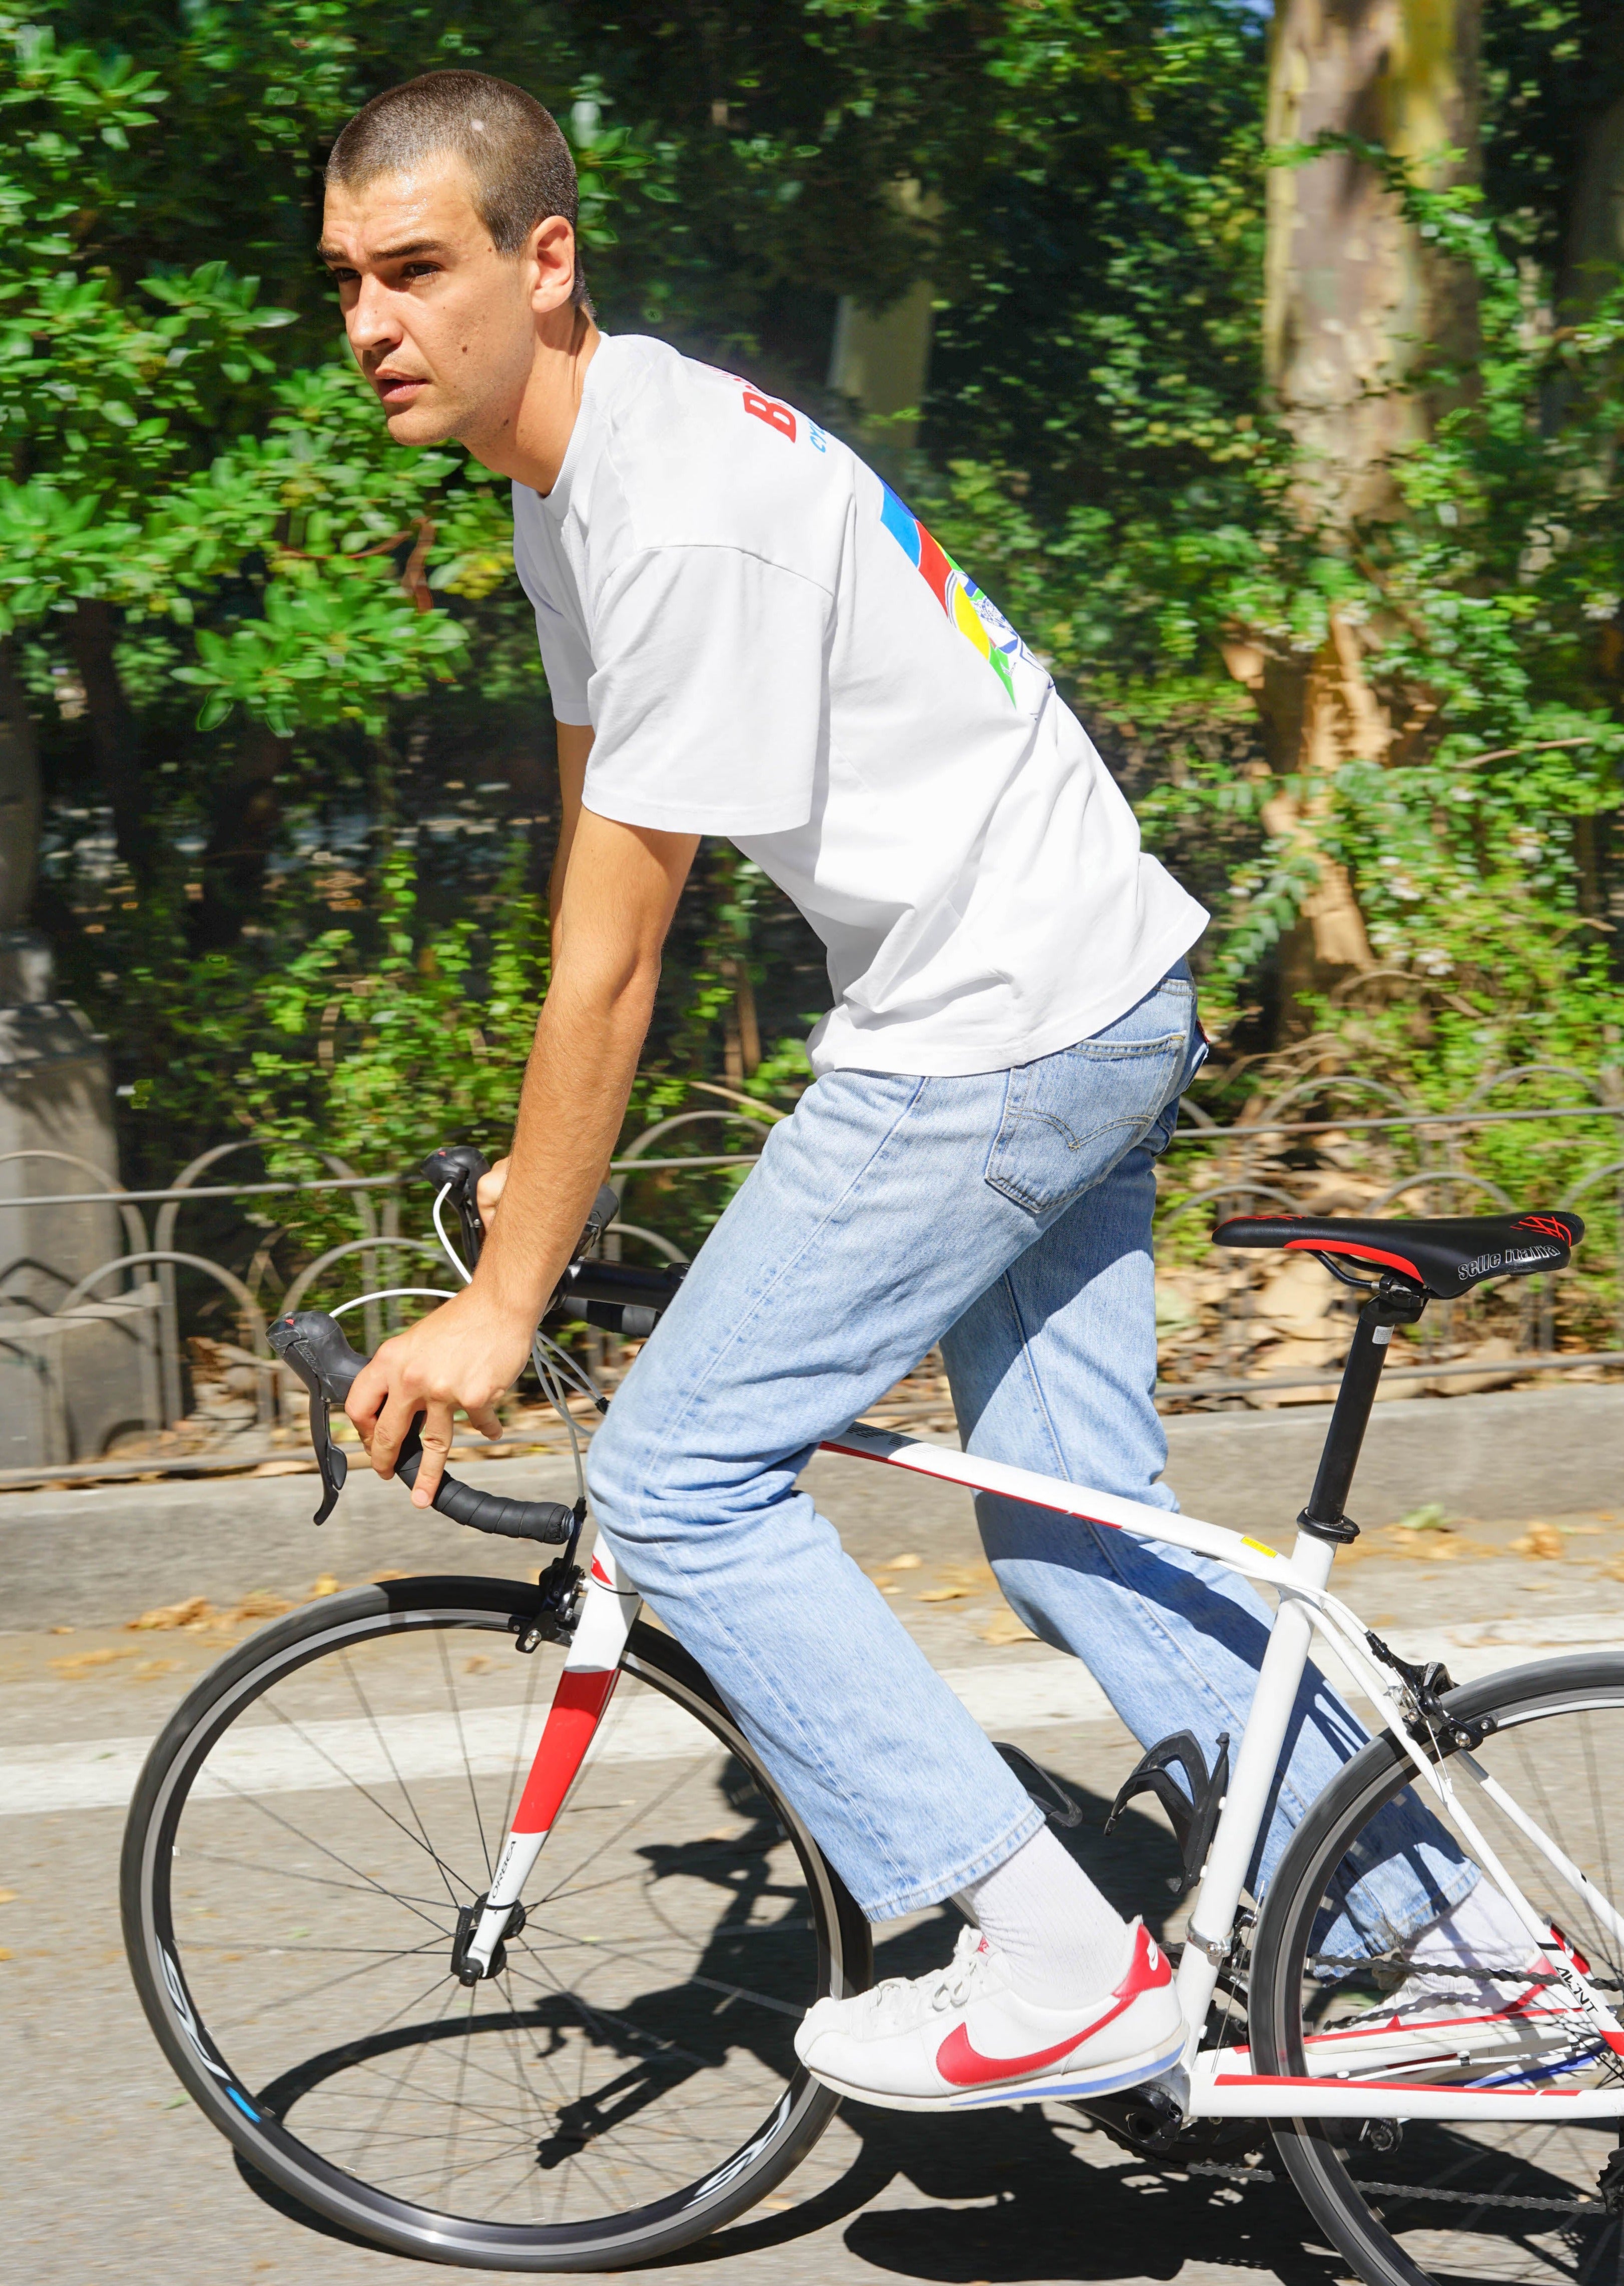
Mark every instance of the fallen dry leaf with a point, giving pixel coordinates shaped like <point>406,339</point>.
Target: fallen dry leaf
<point>1007,1629</point>
<point>905,1562</point>
<point>283,1469</point>
<point>78,1663</point>
<point>5,1951</point>
<point>58,1631</point>
<point>150,1669</point>
<point>378,1578</point>
<point>945,1594</point>
<point>1542,1540</point>
<point>195,1612</point>
<point>258,1603</point>
<point>477,1665</point>
<point>325,1586</point>
<point>8,1897</point>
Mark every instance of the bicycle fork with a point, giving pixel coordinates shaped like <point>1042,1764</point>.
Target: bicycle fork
<point>609,1613</point>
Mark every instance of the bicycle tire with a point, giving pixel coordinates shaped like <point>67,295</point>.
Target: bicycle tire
<point>299,1659</point>
<point>1492,2182</point>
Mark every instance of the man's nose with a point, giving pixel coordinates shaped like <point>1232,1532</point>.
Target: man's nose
<point>371,323</point>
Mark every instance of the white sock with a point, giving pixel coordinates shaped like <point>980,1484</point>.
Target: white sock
<point>1481,1932</point>
<point>1064,1943</point>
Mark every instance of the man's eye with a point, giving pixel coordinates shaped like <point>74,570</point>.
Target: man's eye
<point>420,269</point>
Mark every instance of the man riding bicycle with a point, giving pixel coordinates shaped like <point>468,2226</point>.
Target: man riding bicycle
<point>746,632</point>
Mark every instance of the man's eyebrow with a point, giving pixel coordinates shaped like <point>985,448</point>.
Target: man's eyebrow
<point>333,254</point>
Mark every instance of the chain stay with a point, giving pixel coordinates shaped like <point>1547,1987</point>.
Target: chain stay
<point>1411,2191</point>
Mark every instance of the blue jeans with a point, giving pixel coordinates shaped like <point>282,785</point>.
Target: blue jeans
<point>1007,1217</point>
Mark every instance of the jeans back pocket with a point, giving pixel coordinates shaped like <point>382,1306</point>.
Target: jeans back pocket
<point>1070,1117</point>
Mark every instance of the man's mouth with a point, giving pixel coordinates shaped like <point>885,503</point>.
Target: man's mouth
<point>395,389</point>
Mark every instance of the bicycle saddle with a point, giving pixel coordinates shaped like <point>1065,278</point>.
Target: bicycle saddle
<point>1447,1255</point>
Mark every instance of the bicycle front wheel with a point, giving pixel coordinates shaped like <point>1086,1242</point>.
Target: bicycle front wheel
<point>304,1837</point>
<point>1412,2202</point>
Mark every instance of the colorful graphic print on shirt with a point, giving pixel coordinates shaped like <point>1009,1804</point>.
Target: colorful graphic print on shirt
<point>975,616</point>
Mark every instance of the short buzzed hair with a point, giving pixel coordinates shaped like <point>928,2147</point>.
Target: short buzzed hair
<point>521,165</point>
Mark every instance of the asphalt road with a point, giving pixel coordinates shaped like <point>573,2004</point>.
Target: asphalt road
<point>112,2174</point>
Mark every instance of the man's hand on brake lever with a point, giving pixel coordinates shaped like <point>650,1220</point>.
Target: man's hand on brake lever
<point>465,1353</point>
<point>492,1185</point>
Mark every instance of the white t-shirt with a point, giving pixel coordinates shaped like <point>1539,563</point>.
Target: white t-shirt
<point>768,645</point>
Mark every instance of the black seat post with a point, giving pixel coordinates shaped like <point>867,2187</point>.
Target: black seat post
<point>1394,1303</point>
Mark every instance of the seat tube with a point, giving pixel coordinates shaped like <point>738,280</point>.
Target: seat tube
<point>1252,1788</point>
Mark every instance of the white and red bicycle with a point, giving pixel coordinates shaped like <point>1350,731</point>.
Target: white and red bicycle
<point>466,1911</point>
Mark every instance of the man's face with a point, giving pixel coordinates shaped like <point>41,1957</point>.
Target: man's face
<point>442,325</point>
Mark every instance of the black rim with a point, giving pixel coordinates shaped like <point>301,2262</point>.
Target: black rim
<point>539,2012</point>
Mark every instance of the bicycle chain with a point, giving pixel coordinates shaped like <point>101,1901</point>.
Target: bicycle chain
<point>1409,2190</point>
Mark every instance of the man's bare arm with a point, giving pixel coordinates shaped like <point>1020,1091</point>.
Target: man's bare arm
<point>619,891</point>
<point>574,748</point>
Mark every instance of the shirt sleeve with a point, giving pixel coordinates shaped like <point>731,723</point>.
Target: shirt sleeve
<point>710,699</point>
<point>567,664</point>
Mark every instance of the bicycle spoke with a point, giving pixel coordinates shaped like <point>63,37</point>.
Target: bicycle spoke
<point>580,2080</point>
<point>365,1705</point>
<point>254,1801</point>
<point>1514,2201</point>
<point>365,1792</point>
<point>468,1768</point>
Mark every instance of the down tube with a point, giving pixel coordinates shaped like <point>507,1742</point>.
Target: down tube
<point>579,1702</point>
<point>1251,1791</point>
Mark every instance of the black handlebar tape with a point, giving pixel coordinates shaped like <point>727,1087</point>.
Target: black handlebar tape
<point>510,1519</point>
<point>621,1283</point>
<point>314,1347</point>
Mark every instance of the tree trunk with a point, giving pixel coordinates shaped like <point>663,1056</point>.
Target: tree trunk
<point>1356,299</point>
<point>1596,221</point>
<point>115,736</point>
<point>247,818</point>
<point>1357,304</point>
<point>19,796</point>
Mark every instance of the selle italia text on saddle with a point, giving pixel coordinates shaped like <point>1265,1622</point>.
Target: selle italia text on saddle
<point>1447,1255</point>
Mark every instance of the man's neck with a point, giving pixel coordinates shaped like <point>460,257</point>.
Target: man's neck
<point>530,442</point>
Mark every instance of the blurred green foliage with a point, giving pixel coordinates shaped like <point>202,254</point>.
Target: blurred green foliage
<point>184,442</point>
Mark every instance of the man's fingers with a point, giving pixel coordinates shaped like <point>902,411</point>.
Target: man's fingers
<point>483,1419</point>
<point>436,1435</point>
<point>367,1392</point>
<point>490,1186</point>
<point>390,1431</point>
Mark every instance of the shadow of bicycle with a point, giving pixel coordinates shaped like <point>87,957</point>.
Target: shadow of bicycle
<point>1002,2196</point>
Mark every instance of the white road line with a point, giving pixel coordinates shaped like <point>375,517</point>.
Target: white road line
<point>1027,1693</point>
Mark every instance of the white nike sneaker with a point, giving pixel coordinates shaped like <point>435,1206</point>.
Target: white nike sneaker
<point>962,2038</point>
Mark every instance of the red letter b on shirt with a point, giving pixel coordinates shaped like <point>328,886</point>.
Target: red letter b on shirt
<point>776,416</point>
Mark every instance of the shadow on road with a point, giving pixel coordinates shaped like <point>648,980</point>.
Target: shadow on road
<point>1002,2196</point>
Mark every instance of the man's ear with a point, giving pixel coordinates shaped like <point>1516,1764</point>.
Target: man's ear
<point>551,257</point>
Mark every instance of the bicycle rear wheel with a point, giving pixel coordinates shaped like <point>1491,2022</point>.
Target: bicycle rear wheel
<point>300,1844</point>
<point>1492,2200</point>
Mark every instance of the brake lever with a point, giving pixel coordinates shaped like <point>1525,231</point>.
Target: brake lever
<point>459,1166</point>
<point>325,1362</point>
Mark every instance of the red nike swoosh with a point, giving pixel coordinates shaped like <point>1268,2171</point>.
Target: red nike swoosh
<point>961,2066</point>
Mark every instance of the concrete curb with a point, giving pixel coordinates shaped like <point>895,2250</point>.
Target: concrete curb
<point>97,1556</point>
